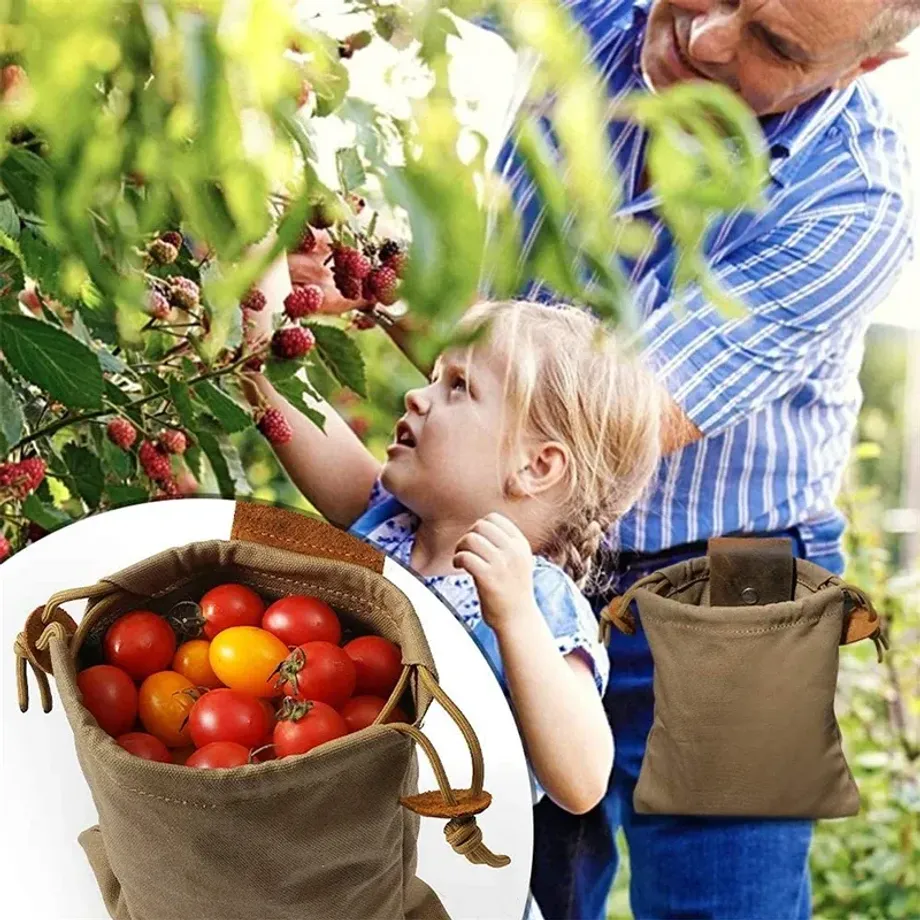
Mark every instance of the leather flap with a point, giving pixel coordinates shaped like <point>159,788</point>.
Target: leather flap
<point>744,571</point>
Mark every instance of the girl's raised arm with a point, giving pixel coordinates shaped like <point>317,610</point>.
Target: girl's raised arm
<point>332,468</point>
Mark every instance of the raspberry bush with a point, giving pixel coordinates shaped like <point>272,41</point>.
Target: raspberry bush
<point>156,158</point>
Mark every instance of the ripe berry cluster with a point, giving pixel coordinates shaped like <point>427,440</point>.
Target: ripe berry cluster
<point>17,480</point>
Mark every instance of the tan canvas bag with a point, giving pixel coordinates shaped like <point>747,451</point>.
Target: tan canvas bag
<point>745,645</point>
<point>329,834</point>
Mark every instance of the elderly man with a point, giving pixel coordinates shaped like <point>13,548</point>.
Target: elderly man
<point>763,407</point>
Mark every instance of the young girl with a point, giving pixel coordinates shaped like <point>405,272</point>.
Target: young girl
<point>503,475</point>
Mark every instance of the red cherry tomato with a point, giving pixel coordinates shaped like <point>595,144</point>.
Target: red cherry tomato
<point>306,726</point>
<point>360,711</point>
<point>219,755</point>
<point>230,605</point>
<point>110,695</point>
<point>297,619</point>
<point>319,671</point>
<point>378,664</point>
<point>140,643</point>
<point>228,715</point>
<point>271,717</point>
<point>140,744</point>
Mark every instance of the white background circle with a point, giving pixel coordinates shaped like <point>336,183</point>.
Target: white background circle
<point>46,801</point>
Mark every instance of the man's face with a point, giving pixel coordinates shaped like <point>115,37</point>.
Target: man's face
<point>774,53</point>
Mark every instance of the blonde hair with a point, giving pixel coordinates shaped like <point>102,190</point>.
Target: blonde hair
<point>569,380</point>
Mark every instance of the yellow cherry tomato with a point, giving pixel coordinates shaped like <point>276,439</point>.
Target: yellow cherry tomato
<point>191,660</point>
<point>245,658</point>
<point>163,704</point>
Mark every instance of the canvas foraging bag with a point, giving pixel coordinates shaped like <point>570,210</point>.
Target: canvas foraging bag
<point>745,645</point>
<point>331,833</point>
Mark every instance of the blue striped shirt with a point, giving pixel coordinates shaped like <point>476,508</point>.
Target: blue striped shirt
<point>775,393</point>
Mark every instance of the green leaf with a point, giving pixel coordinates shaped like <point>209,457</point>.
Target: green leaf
<point>87,472</point>
<point>350,169</point>
<point>231,415</point>
<point>295,391</point>
<point>119,494</point>
<point>340,355</point>
<point>52,360</point>
<point>212,449</point>
<point>185,408</point>
<point>22,173</point>
<point>121,462</point>
<point>192,457</point>
<point>11,418</point>
<point>44,514</point>
<point>9,219</point>
<point>41,260</point>
<point>107,360</point>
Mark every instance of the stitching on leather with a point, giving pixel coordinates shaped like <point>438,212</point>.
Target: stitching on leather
<point>304,544</point>
<point>712,629</point>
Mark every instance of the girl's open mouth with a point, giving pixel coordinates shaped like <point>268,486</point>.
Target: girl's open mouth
<point>403,438</point>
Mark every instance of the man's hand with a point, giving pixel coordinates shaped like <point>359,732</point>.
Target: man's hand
<point>498,556</point>
<point>311,268</point>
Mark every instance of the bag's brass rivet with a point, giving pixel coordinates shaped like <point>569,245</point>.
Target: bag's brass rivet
<point>749,596</point>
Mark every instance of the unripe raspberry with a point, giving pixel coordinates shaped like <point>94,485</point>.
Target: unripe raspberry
<point>292,342</point>
<point>169,488</point>
<point>121,433</point>
<point>275,427</point>
<point>157,305</point>
<point>253,300</point>
<point>162,252</point>
<point>303,301</point>
<point>183,292</point>
<point>320,215</point>
<point>154,462</point>
<point>173,441</point>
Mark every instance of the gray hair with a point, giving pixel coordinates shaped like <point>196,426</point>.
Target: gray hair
<point>893,22</point>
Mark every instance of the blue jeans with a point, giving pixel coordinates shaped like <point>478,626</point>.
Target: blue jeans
<point>681,867</point>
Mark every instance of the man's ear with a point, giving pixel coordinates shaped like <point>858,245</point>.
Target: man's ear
<point>547,466</point>
<point>872,62</point>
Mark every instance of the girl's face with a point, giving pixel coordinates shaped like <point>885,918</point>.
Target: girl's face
<point>446,459</point>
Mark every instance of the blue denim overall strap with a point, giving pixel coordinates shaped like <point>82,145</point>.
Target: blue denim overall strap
<point>730,869</point>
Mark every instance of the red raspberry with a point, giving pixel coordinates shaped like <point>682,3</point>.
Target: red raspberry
<point>121,433</point>
<point>384,284</point>
<point>183,292</point>
<point>173,237</point>
<point>5,549</point>
<point>363,321</point>
<point>32,472</point>
<point>253,300</point>
<point>292,342</point>
<point>173,441</point>
<point>359,425</point>
<point>397,262</point>
<point>275,427</point>
<point>36,532</point>
<point>307,241</point>
<point>303,301</point>
<point>162,252</point>
<point>157,305</point>
<point>154,461</point>
<point>351,261</point>
<point>367,289</point>
<point>348,285</point>
<point>253,364</point>
<point>169,488</point>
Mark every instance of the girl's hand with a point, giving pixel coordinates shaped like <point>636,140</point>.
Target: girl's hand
<point>498,556</point>
<point>312,268</point>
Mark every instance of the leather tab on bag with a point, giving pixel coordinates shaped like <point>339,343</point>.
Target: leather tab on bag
<point>747,571</point>
<point>292,530</point>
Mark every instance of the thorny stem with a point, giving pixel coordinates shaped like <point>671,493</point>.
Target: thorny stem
<point>136,403</point>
